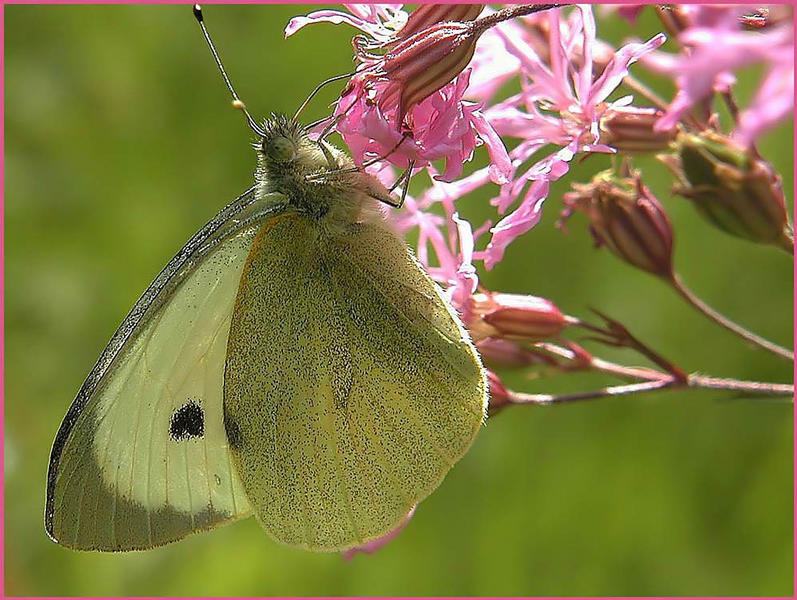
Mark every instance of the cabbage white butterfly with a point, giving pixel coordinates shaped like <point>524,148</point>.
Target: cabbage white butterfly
<point>293,361</point>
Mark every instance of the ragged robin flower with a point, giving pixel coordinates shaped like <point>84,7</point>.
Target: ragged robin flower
<point>405,101</point>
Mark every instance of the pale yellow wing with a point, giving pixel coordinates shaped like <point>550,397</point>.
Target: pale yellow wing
<point>141,458</point>
<point>350,387</point>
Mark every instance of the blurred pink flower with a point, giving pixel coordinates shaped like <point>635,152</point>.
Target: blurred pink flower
<point>374,545</point>
<point>630,12</point>
<point>715,45</point>
<point>445,244</point>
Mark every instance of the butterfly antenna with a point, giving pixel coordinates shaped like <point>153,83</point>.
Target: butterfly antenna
<point>318,89</point>
<point>315,124</point>
<point>236,101</point>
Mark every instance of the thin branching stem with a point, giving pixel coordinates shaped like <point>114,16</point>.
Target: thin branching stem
<point>640,88</point>
<point>511,12</point>
<point>618,390</point>
<point>757,388</point>
<point>751,387</point>
<point>743,333</point>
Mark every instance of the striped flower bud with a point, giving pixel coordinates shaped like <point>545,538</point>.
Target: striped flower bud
<point>626,218</point>
<point>515,316</point>
<point>630,129</point>
<point>732,188</point>
<point>426,15</point>
<point>433,47</point>
<point>499,396</point>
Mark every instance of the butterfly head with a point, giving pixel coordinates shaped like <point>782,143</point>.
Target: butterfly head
<point>283,141</point>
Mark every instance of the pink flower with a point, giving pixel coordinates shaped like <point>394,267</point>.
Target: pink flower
<point>379,21</point>
<point>445,244</point>
<point>441,127</point>
<point>630,12</point>
<point>398,107</point>
<point>566,75</point>
<point>562,103</point>
<point>715,45</point>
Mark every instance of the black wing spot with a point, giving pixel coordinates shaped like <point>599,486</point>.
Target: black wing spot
<point>233,432</point>
<point>187,422</point>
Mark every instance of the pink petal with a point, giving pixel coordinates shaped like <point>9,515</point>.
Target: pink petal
<point>328,16</point>
<point>774,102</point>
<point>617,69</point>
<point>500,164</point>
<point>528,214</point>
<point>465,280</point>
<point>519,222</point>
<point>458,188</point>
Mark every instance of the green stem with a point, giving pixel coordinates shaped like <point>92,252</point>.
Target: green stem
<point>640,88</point>
<point>743,333</point>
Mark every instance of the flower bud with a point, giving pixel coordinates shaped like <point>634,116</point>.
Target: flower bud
<point>499,396</point>
<point>429,52</point>
<point>625,217</point>
<point>432,48</point>
<point>732,188</point>
<point>508,353</point>
<point>426,15</point>
<point>420,64</point>
<point>516,316</point>
<point>630,130</point>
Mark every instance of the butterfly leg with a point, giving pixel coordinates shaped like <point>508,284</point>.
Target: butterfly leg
<point>388,198</point>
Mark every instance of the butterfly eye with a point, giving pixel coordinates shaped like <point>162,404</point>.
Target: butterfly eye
<point>280,149</point>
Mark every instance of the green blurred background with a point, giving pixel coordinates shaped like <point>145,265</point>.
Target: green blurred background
<point>120,143</point>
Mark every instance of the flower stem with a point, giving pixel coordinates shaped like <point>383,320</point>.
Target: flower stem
<point>511,12</point>
<point>753,387</point>
<point>618,390</point>
<point>637,86</point>
<point>603,366</point>
<point>733,108</point>
<point>693,381</point>
<point>743,333</point>
<point>616,334</point>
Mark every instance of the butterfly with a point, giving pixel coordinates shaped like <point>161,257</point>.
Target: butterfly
<point>293,361</point>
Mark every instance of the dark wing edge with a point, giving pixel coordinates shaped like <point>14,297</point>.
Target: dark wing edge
<point>234,217</point>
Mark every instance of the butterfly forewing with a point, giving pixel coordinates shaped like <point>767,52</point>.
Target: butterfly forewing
<point>350,387</point>
<point>142,457</point>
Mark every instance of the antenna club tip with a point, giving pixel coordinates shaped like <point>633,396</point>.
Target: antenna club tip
<point>197,10</point>
<point>238,104</point>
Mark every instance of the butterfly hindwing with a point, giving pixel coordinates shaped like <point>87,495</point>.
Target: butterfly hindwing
<point>371,394</point>
<point>142,457</point>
